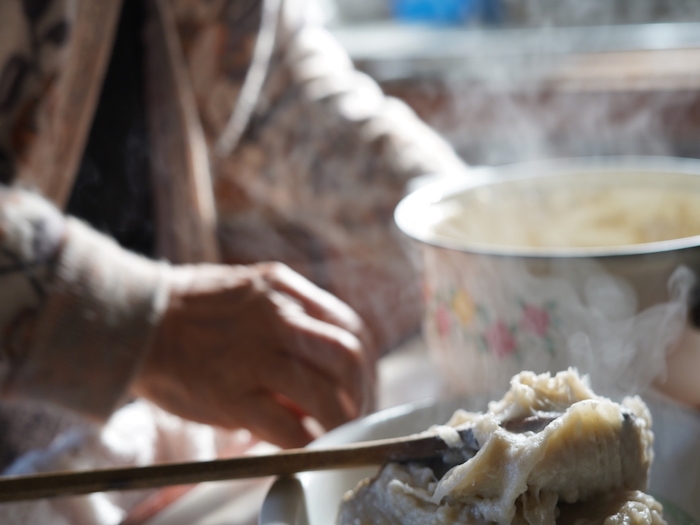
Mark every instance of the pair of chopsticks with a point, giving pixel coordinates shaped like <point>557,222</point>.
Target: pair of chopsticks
<point>49,485</point>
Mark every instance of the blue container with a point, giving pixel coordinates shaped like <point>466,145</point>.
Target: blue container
<point>448,11</point>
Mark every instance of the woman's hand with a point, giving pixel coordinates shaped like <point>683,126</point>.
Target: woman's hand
<point>258,347</point>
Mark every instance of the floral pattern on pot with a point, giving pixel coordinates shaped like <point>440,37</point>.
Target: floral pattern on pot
<point>500,339</point>
<point>533,325</point>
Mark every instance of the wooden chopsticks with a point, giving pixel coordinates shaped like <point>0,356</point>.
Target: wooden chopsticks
<point>48,485</point>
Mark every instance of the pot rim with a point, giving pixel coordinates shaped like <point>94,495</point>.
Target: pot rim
<point>444,186</point>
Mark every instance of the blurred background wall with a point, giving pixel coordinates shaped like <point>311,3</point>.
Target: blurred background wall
<point>511,80</point>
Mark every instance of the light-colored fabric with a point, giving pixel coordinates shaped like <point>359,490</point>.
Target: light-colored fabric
<point>34,49</point>
<point>137,434</point>
<point>31,231</point>
<point>77,311</point>
<point>94,326</point>
<point>72,69</point>
<point>316,176</point>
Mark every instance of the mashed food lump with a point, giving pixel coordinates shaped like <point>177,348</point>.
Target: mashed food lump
<point>551,451</point>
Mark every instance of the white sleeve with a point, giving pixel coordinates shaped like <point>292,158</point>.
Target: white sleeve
<point>77,311</point>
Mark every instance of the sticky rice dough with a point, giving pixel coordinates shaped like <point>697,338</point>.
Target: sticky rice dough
<point>551,451</point>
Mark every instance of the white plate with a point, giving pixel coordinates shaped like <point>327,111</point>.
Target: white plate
<point>313,498</point>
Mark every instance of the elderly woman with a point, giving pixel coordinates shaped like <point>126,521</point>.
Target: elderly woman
<point>209,136</point>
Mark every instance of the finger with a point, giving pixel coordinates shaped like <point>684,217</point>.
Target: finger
<point>320,304</point>
<point>331,350</point>
<point>316,301</point>
<point>312,391</point>
<point>274,423</point>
